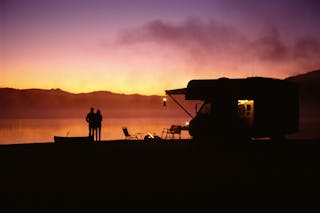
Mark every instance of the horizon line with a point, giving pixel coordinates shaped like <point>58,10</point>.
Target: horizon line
<point>76,93</point>
<point>123,93</point>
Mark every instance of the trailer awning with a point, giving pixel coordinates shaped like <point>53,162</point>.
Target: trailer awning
<point>181,91</point>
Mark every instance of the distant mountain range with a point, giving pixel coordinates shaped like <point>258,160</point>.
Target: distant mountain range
<point>39,103</point>
<point>309,86</point>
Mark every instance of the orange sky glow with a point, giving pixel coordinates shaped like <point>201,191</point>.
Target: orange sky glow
<point>120,47</point>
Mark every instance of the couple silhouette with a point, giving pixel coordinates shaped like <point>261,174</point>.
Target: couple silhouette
<point>94,120</point>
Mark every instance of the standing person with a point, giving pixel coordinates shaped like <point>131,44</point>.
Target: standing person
<point>91,120</point>
<point>98,121</point>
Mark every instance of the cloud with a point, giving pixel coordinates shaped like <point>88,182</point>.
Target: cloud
<point>307,47</point>
<point>190,33</point>
<point>270,47</point>
<point>193,38</point>
<point>208,43</point>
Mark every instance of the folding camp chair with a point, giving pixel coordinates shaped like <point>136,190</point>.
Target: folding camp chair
<point>128,136</point>
<point>174,129</point>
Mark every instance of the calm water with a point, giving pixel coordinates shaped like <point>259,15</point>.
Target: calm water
<point>43,130</point>
<point>14,131</point>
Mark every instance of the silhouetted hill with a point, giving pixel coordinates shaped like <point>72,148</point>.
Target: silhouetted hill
<point>308,81</point>
<point>309,86</point>
<point>310,78</point>
<point>39,103</point>
<point>309,99</point>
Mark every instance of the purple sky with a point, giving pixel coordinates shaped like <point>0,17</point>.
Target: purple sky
<point>148,46</point>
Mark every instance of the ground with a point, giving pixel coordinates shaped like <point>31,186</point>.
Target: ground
<point>143,173</point>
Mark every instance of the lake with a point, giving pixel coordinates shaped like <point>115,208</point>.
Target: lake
<point>13,131</point>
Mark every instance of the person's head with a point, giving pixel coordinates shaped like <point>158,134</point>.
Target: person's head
<point>91,109</point>
<point>98,111</point>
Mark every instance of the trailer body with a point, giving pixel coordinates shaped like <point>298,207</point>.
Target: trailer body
<point>250,107</point>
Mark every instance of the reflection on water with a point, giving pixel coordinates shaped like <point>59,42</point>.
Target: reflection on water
<point>42,130</point>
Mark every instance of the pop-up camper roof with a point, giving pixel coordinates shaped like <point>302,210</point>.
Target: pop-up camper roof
<point>182,91</point>
<point>245,88</point>
<point>238,88</point>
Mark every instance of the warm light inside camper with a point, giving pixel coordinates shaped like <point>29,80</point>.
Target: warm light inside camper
<point>187,123</point>
<point>246,110</point>
<point>242,102</point>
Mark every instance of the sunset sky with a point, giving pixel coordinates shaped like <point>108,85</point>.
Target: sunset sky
<point>147,46</point>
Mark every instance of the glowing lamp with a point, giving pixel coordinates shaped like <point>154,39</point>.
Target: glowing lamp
<point>164,101</point>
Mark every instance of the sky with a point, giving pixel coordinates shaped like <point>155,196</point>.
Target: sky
<point>148,46</point>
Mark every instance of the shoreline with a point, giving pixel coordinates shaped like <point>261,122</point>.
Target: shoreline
<point>183,140</point>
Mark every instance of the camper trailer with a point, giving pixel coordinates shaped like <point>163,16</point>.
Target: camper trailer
<point>242,108</point>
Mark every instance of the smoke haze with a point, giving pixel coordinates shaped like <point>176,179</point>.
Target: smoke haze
<point>208,43</point>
